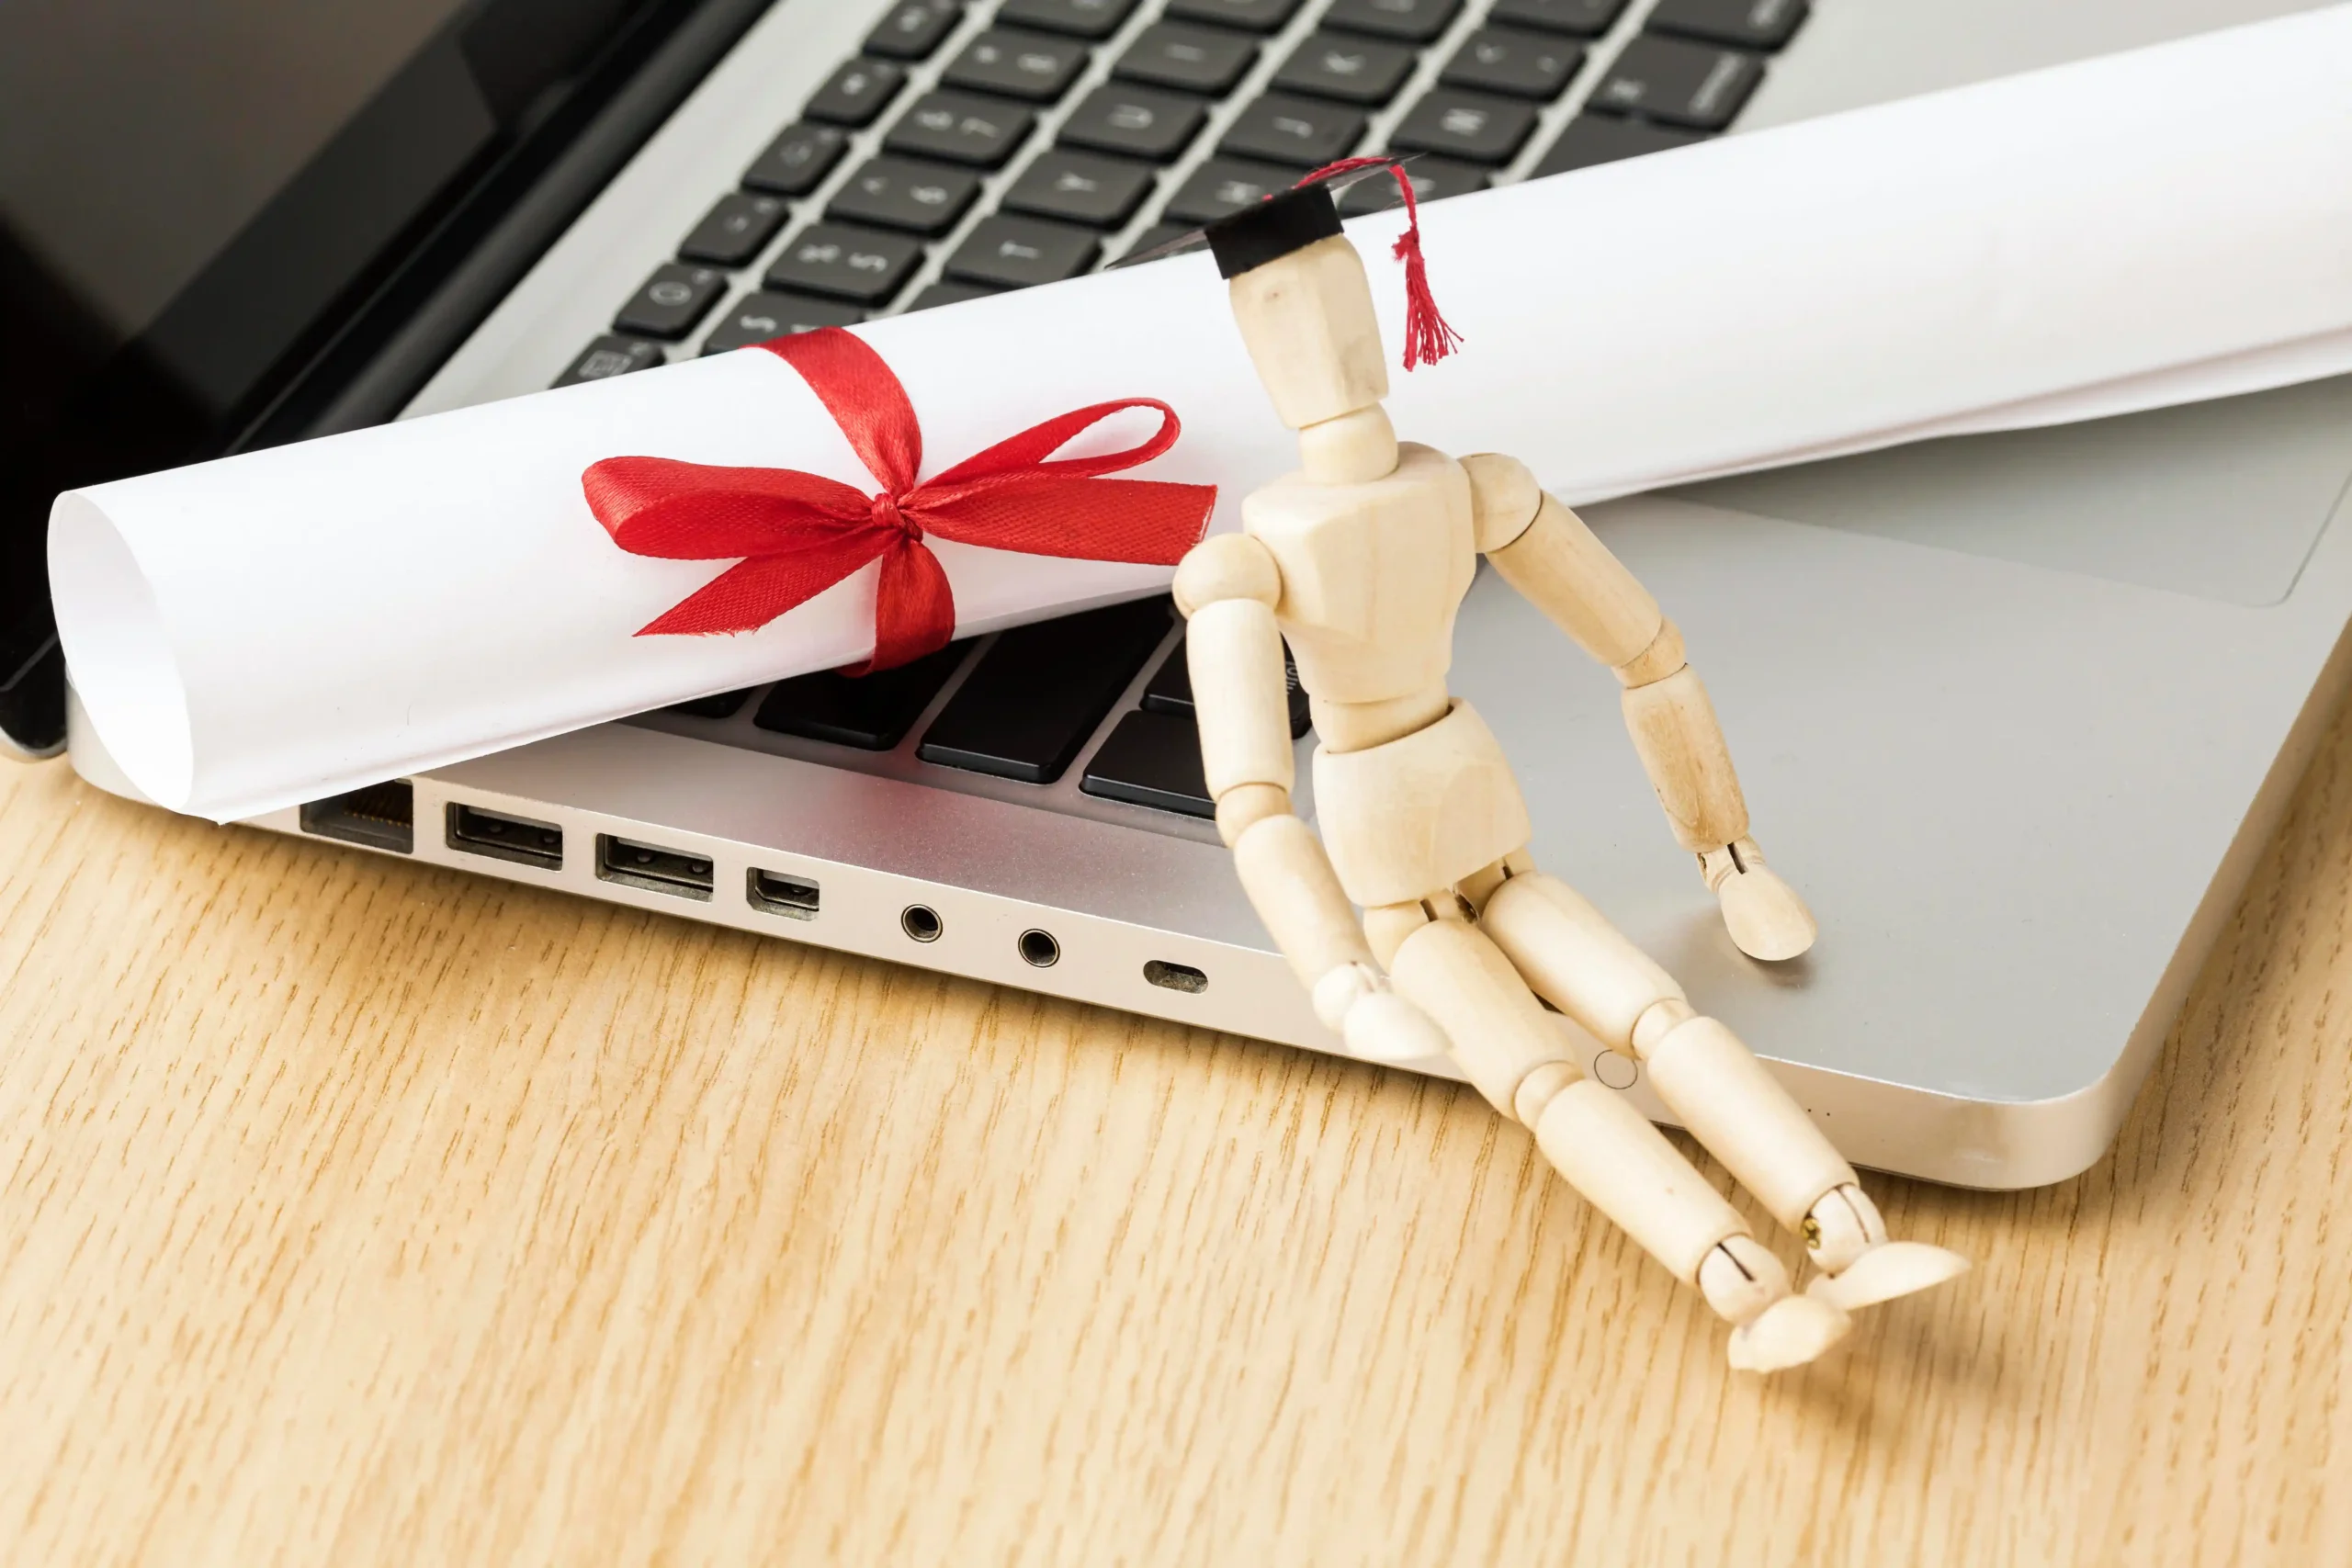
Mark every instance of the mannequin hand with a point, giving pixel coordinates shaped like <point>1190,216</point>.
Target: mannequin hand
<point>1356,1002</point>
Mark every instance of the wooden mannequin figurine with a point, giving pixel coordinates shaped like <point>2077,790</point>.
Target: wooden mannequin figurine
<point>1359,561</point>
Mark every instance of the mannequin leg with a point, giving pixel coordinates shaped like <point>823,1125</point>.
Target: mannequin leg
<point>1575,959</point>
<point>1519,1060</point>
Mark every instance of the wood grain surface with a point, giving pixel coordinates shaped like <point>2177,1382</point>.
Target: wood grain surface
<point>356,1211</point>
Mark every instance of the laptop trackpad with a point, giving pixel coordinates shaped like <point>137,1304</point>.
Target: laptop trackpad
<point>2221,499</point>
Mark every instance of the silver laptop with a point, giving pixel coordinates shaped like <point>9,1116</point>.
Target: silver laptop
<point>2016,713</point>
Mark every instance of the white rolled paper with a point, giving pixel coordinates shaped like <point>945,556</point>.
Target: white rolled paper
<point>2158,227</point>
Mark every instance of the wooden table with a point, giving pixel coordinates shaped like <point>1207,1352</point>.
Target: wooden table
<point>357,1211</point>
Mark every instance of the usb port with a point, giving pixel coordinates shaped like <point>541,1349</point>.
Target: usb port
<point>794,898</point>
<point>518,838</point>
<point>382,817</point>
<point>653,868</point>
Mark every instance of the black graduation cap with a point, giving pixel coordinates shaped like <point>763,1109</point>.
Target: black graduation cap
<point>1293,220</point>
<point>1285,221</point>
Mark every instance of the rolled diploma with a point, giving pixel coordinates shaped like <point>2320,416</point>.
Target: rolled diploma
<point>2151,228</point>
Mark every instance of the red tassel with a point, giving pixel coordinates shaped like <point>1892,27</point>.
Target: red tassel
<point>1427,337</point>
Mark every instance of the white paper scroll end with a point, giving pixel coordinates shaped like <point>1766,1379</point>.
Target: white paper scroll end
<point>120,654</point>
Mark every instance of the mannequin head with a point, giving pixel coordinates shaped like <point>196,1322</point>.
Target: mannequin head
<point>1304,305</point>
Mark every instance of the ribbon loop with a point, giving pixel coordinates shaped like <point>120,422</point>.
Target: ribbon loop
<point>1028,453</point>
<point>794,535</point>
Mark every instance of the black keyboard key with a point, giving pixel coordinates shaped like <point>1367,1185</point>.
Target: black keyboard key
<point>1416,21</point>
<point>1151,760</point>
<point>1296,130</point>
<point>1250,16</point>
<point>1158,234</point>
<point>1604,138</point>
<point>1080,187</point>
<point>872,713</point>
<point>720,705</point>
<point>1223,187</point>
<point>1034,697</point>
<point>796,160</point>
<point>1019,252</point>
<point>1136,122</point>
<point>912,28</point>
<point>735,230</point>
<point>856,92</point>
<point>1353,70</point>
<point>609,357</point>
<point>901,193</point>
<point>843,261</point>
<point>1577,18</point>
<point>1020,66</point>
<point>1742,24</point>
<point>1169,690</point>
<point>756,318</point>
<point>950,292</point>
<point>1470,126</point>
<point>1080,19</point>
<point>962,128</point>
<point>1523,66</point>
<point>1192,60</point>
<point>1433,179</point>
<point>671,301</point>
<point>1682,83</point>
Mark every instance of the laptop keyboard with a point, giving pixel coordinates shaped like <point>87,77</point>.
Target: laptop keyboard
<point>975,148</point>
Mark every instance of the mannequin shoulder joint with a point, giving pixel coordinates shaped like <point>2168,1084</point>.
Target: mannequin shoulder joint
<point>1227,566</point>
<point>1504,498</point>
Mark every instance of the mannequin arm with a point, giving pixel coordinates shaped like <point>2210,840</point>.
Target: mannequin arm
<point>1227,589</point>
<point>1546,552</point>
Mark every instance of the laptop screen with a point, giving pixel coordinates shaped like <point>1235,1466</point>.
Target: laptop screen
<point>194,195</point>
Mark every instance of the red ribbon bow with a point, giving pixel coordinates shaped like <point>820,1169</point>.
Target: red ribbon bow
<point>799,534</point>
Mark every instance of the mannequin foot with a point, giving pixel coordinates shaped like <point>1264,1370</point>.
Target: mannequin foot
<point>1790,1333</point>
<point>1766,916</point>
<point>1771,1328</point>
<point>1890,1269</point>
<point>1859,1266</point>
